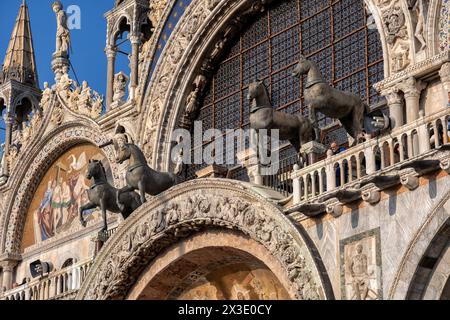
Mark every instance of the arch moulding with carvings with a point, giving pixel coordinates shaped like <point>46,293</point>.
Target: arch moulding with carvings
<point>189,209</point>
<point>34,164</point>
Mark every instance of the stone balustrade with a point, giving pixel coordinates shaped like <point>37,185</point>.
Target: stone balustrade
<point>58,284</point>
<point>316,184</point>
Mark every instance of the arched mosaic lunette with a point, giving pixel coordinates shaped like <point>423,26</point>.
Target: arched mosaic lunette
<point>190,208</point>
<point>34,166</point>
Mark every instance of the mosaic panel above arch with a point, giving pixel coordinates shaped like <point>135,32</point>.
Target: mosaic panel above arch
<point>61,192</point>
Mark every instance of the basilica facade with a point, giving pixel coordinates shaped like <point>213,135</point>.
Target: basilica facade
<point>361,211</point>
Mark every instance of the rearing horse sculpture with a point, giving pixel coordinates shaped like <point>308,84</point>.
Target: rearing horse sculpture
<point>139,175</point>
<point>333,103</point>
<point>293,127</point>
<point>103,195</point>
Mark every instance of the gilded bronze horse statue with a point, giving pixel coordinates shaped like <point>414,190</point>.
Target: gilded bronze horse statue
<point>139,175</point>
<point>293,127</point>
<point>103,195</point>
<point>320,96</point>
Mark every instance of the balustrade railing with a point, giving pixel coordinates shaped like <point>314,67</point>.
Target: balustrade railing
<point>50,287</point>
<point>406,142</point>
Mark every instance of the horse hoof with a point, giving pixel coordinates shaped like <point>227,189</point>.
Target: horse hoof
<point>83,223</point>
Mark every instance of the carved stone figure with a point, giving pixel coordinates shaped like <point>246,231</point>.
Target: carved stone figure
<point>84,98</point>
<point>62,31</point>
<point>102,195</point>
<point>74,98</point>
<point>156,11</point>
<point>360,274</point>
<point>333,103</point>
<point>120,85</point>
<point>139,175</point>
<point>211,4</point>
<point>97,106</point>
<point>294,128</point>
<point>46,96</point>
<point>419,10</point>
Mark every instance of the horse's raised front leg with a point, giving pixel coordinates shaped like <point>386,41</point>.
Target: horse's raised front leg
<point>119,193</point>
<point>141,186</point>
<point>87,206</point>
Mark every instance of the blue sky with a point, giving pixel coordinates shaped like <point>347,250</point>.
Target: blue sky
<point>88,57</point>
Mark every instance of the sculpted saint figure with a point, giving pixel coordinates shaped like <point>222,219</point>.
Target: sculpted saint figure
<point>120,84</point>
<point>360,274</point>
<point>62,31</point>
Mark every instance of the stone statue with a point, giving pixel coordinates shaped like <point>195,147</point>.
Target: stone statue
<point>360,275</point>
<point>420,24</point>
<point>294,128</point>
<point>120,84</point>
<point>62,31</point>
<point>97,106</point>
<point>156,11</point>
<point>102,195</point>
<point>46,96</point>
<point>75,96</point>
<point>139,175</point>
<point>333,103</point>
<point>84,98</point>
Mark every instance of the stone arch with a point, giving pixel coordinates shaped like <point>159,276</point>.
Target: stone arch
<point>35,163</point>
<point>207,253</point>
<point>417,249</point>
<point>117,28</point>
<point>191,208</point>
<point>432,31</point>
<point>26,95</point>
<point>172,82</point>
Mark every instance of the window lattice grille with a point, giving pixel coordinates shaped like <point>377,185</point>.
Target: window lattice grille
<point>332,33</point>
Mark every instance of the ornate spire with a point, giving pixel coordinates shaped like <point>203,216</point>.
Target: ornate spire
<point>20,62</point>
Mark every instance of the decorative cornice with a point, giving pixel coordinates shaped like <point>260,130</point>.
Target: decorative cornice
<point>417,70</point>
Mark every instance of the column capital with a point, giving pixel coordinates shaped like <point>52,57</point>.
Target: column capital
<point>392,96</point>
<point>135,39</point>
<point>412,87</point>
<point>110,52</point>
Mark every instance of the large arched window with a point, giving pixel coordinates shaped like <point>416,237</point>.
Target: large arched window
<point>336,34</point>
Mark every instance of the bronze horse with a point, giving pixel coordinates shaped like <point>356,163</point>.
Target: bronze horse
<point>293,127</point>
<point>139,175</point>
<point>333,103</point>
<point>103,195</point>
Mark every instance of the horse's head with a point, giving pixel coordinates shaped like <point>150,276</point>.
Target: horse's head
<point>95,168</point>
<point>123,153</point>
<point>255,90</point>
<point>302,67</point>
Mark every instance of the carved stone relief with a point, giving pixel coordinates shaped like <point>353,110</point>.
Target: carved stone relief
<point>396,33</point>
<point>361,267</point>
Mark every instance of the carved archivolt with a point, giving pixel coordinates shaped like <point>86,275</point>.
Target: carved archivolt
<point>190,209</point>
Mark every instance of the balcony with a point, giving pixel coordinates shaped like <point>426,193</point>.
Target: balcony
<point>400,156</point>
<point>58,285</point>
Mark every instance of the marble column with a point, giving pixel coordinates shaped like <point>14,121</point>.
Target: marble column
<point>111,55</point>
<point>249,158</point>
<point>8,139</point>
<point>395,104</point>
<point>330,172</point>
<point>412,89</point>
<point>8,268</point>
<point>135,43</point>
